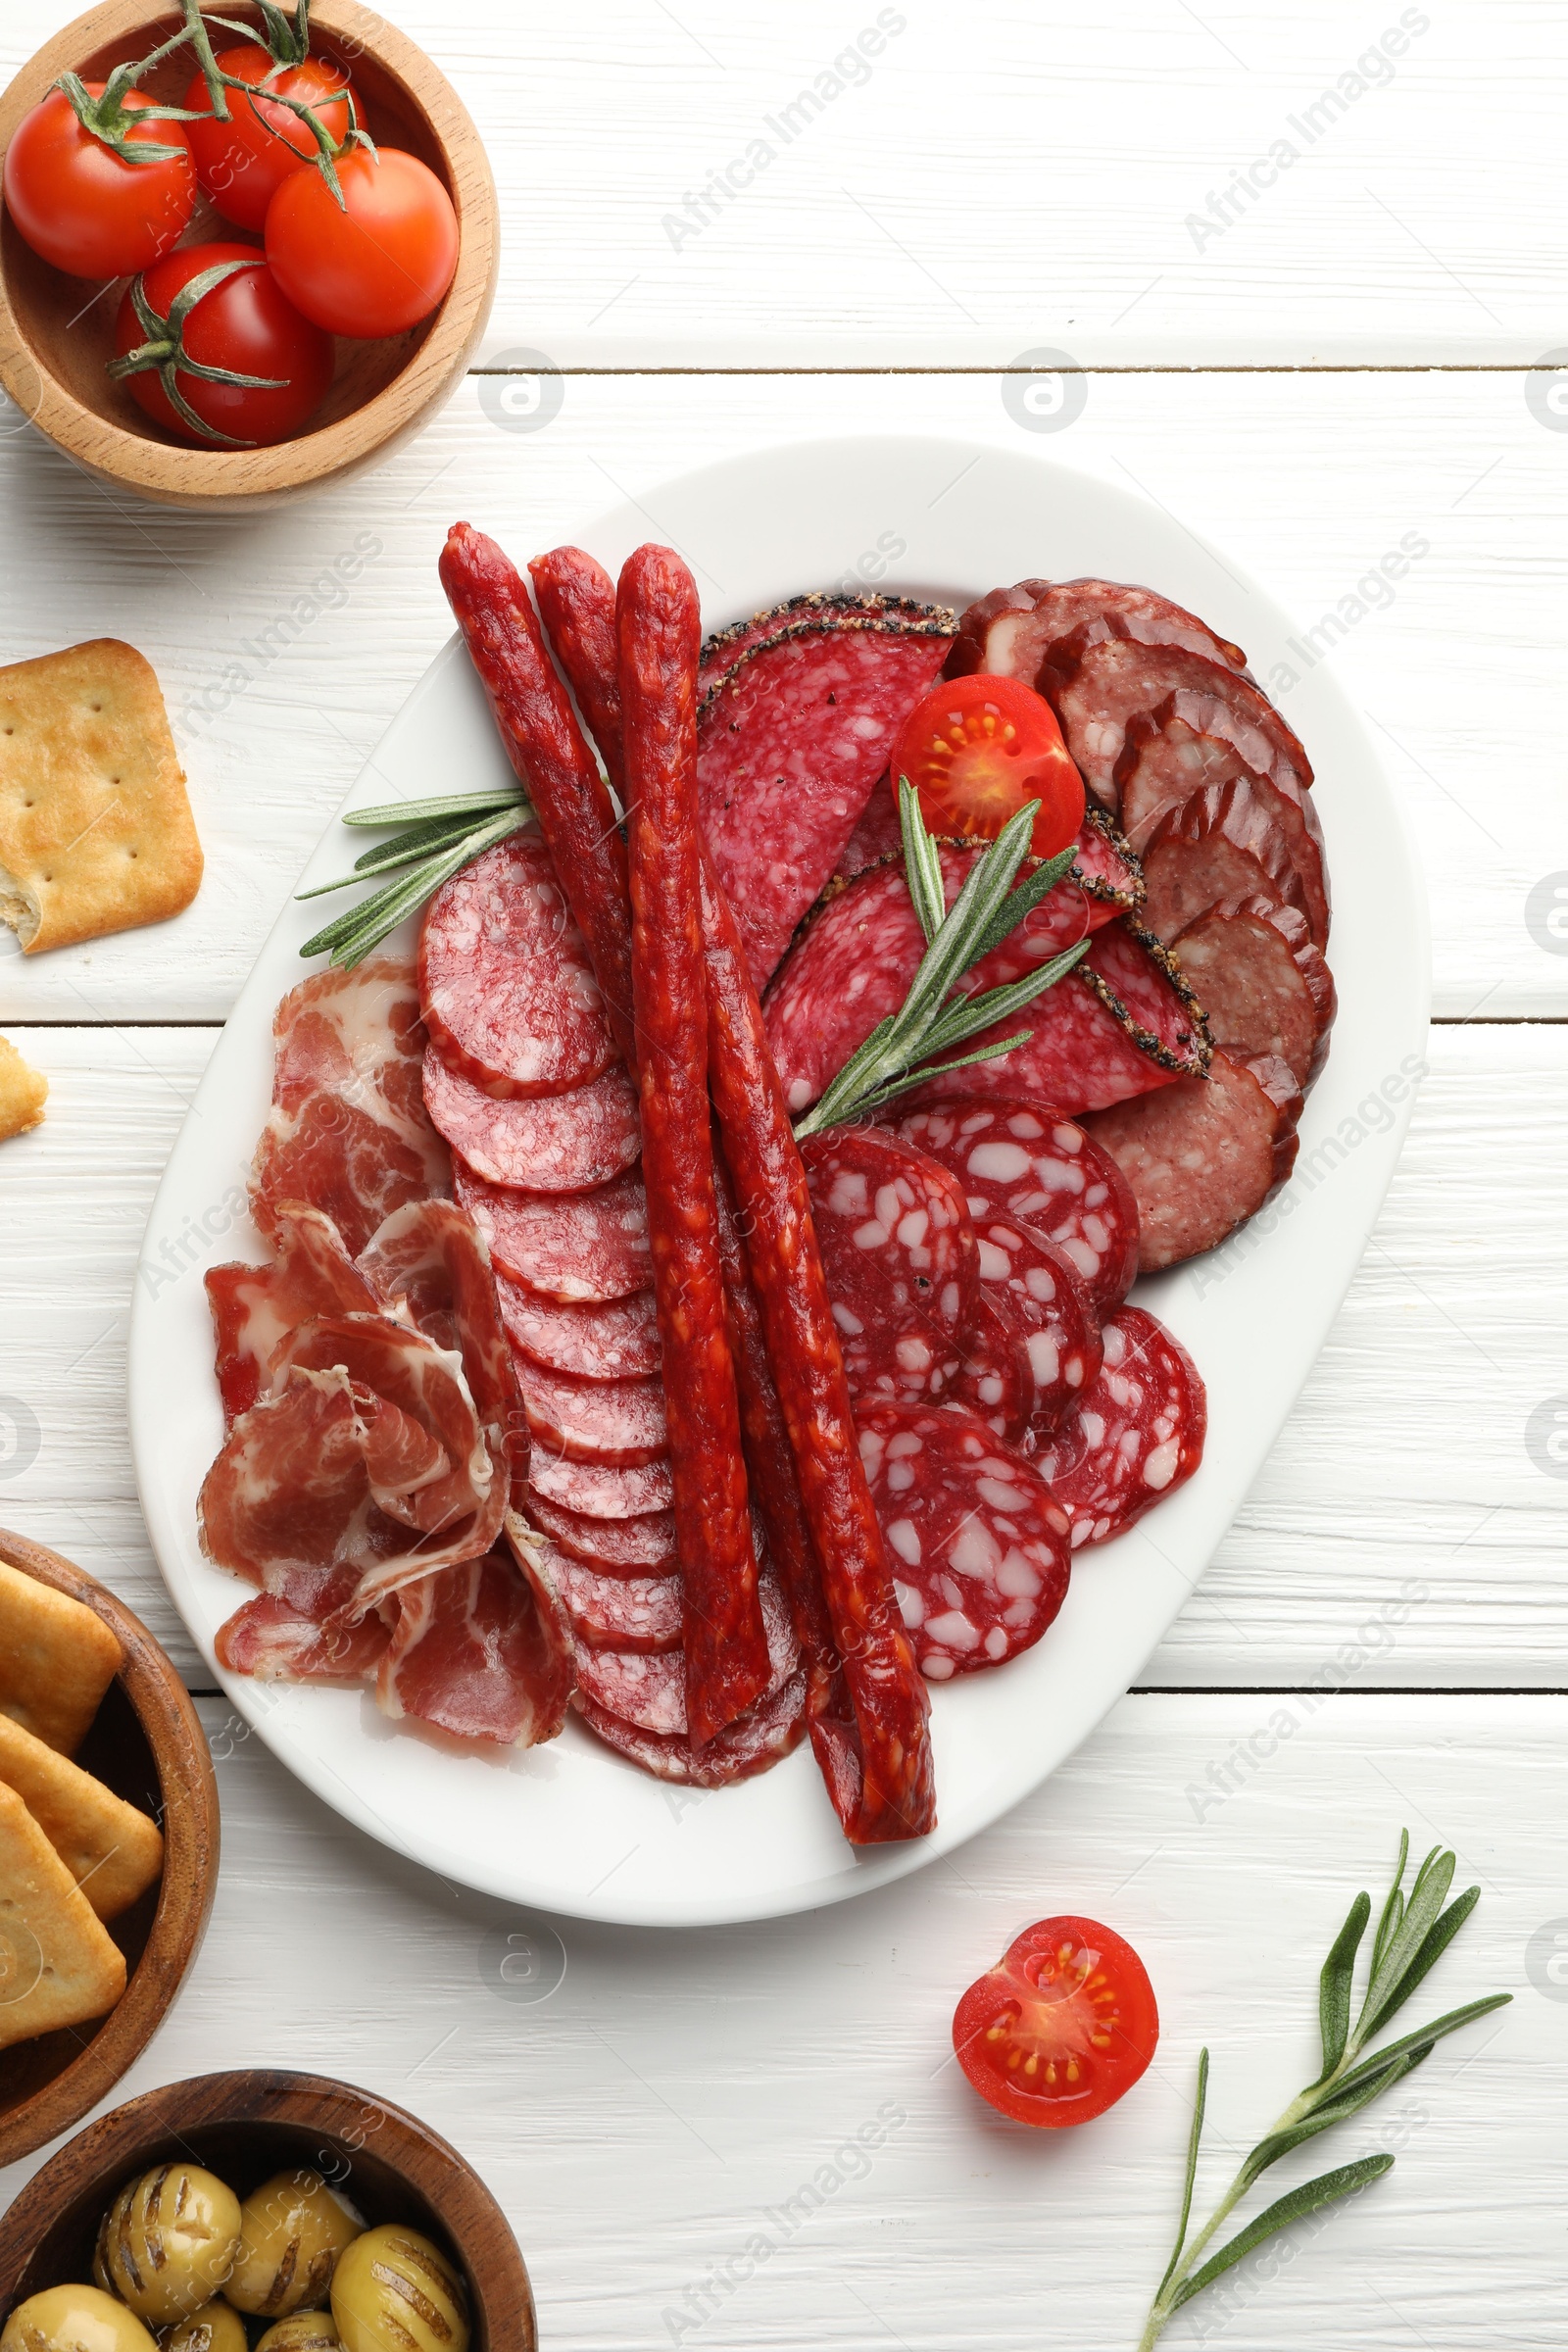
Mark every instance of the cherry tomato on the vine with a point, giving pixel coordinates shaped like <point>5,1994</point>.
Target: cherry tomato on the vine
<point>246,323</point>
<point>243,162</point>
<point>1061,2027</point>
<point>378,263</point>
<point>975,749</point>
<point>80,205</point>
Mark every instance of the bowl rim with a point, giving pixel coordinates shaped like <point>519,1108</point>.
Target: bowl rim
<point>188,1786</point>
<point>497,2274</point>
<point>433,371</point>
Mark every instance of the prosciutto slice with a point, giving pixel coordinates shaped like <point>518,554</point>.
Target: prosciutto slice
<point>256,1307</point>
<point>482,1651</point>
<point>348,1131</point>
<point>276,1643</point>
<point>432,1258</point>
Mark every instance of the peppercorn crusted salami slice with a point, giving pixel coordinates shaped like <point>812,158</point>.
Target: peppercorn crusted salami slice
<point>1205,1156</point>
<point>898,1258</point>
<point>640,1614</point>
<point>581,1248</point>
<point>790,743</point>
<point>620,1422</point>
<point>995,1379</point>
<point>543,1143</point>
<point>1135,1438</point>
<point>1008,633</point>
<point>1264,985</point>
<point>1024,1160</point>
<point>595,1491</point>
<point>754,1743</point>
<point>638,1547</point>
<point>820,613</point>
<point>1098,678</point>
<point>979,1543</point>
<point>1034,1289</point>
<point>612,1339</point>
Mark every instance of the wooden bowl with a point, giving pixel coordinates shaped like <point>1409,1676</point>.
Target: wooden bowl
<point>148,1746</point>
<point>55,336</point>
<point>247,2126</point>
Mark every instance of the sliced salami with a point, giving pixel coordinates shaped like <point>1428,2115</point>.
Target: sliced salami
<point>754,1743</point>
<point>1099,676</point>
<point>637,1547</point>
<point>616,1339</point>
<point>1034,1289</point>
<point>979,1543</point>
<point>1204,1157</point>
<point>878,838</point>
<point>619,1422</point>
<point>1229,841</point>
<point>649,1690</point>
<point>506,987</point>
<point>898,1256</point>
<point>789,746</point>
<point>640,1614</point>
<point>820,613</point>
<point>1135,1438</point>
<point>1025,1161</point>
<point>995,1379</point>
<point>543,1143</point>
<point>1008,633</point>
<point>594,1491</point>
<point>575,1248</point>
<point>1265,988</point>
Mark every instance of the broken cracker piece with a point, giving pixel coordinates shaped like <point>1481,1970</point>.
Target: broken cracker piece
<point>58,1964</point>
<point>24,1091</point>
<point>96,833</point>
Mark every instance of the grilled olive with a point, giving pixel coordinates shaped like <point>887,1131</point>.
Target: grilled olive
<point>168,2241</point>
<point>396,2292</point>
<point>216,2327</point>
<point>292,2230</point>
<point>73,2318</point>
<point>306,2331</point>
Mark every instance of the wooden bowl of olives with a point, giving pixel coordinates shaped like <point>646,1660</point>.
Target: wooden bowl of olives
<point>261,2212</point>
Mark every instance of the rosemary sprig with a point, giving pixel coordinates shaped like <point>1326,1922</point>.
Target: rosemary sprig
<point>898,1052</point>
<point>434,839</point>
<point>1412,1933</point>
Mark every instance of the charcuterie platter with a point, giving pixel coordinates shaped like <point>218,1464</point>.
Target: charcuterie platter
<point>1025,1399</point>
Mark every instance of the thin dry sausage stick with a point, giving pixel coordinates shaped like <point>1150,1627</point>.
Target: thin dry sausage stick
<point>551,756</point>
<point>577,605</point>
<point>896,1797</point>
<point>659,636</point>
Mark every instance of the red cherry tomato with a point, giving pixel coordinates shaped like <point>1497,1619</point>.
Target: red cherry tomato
<point>1061,2027</point>
<point>975,749</point>
<point>243,162</point>
<point>246,323</point>
<point>379,267</point>
<point>79,206</point>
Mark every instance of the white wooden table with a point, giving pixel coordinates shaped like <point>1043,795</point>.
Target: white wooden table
<point>1317,366</point>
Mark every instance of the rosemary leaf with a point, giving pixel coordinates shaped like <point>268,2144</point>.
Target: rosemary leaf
<point>1027,897</point>
<point>1437,1942</point>
<point>1394,1908</point>
<point>1310,2197</point>
<point>930,1070</point>
<point>352,936</point>
<point>414,847</point>
<point>454,804</point>
<point>1347,2101</point>
<point>968,1016</point>
<point>922,864</point>
<point>1422,2036</point>
<point>1427,1897</point>
<point>1338,1972</point>
<point>1198,2105</point>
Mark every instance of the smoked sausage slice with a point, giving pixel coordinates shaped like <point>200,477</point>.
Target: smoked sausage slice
<point>1204,1157</point>
<point>1264,985</point>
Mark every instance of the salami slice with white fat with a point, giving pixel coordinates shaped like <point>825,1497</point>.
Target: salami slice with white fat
<point>1008,633</point>
<point>544,1143</point>
<point>754,1743</point>
<point>1023,1160</point>
<point>619,1422</point>
<point>1205,1156</point>
<point>581,1247</point>
<point>612,1339</point>
<point>1099,676</point>
<point>979,1543</point>
<point>995,1379</point>
<point>649,1691</point>
<point>1034,1289</point>
<point>898,1256</point>
<point>638,1547</point>
<point>639,1614</point>
<point>506,988</point>
<point>1264,985</point>
<point>1135,1438</point>
<point>596,1491</point>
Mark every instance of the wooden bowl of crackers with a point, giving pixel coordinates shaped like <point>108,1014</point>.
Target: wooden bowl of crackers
<point>108,1841</point>
<point>57,332</point>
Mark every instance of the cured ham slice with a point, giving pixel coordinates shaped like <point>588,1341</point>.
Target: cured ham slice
<point>430,1256</point>
<point>347,1133</point>
<point>482,1651</point>
<point>256,1307</point>
<point>275,1642</point>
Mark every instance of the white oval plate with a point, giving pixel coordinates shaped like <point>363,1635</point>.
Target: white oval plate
<point>569,1827</point>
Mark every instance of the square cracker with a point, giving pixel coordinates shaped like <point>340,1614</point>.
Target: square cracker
<point>111,1851</point>
<point>23,1092</point>
<point>58,1964</point>
<point>57,1659</point>
<point>96,834</point>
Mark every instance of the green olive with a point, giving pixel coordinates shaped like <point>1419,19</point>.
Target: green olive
<point>168,2241</point>
<point>292,2230</point>
<point>73,2318</point>
<point>306,2331</point>
<point>396,2292</point>
<point>216,2327</point>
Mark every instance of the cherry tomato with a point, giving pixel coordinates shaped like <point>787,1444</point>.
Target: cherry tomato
<point>379,267</point>
<point>79,206</point>
<point>975,749</point>
<point>1061,2027</point>
<point>246,323</point>
<point>243,162</point>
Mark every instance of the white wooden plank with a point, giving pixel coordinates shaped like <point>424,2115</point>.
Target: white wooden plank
<point>674,2091</point>
<point>1038,176</point>
<point>1400,1533</point>
<point>1307,479</point>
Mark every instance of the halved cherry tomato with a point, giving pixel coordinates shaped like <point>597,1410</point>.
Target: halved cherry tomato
<point>247,324</point>
<point>1061,2027</point>
<point>376,263</point>
<point>83,208</point>
<point>975,749</point>
<point>243,162</point>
